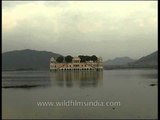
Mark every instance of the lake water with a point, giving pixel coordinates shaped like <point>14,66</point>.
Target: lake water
<point>135,90</point>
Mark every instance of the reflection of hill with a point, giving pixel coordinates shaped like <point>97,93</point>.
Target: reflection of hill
<point>32,79</point>
<point>24,79</point>
<point>80,78</point>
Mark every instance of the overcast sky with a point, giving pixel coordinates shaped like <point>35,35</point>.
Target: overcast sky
<point>107,29</point>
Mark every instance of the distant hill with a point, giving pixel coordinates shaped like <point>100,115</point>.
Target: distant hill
<point>119,61</point>
<point>150,60</point>
<point>26,59</point>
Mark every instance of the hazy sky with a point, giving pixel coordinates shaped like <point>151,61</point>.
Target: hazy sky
<point>107,29</point>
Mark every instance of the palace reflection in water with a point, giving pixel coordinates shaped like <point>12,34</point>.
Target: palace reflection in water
<point>77,78</point>
<point>31,79</point>
<point>23,89</point>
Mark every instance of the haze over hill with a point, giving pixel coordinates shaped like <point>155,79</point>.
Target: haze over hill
<point>148,61</point>
<point>119,61</point>
<point>26,59</point>
<point>110,29</point>
<point>39,60</point>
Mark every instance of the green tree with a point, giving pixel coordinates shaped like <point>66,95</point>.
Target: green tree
<point>82,58</point>
<point>94,58</point>
<point>60,59</point>
<point>87,58</point>
<point>68,59</point>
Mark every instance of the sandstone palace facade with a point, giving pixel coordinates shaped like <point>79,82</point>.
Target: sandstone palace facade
<point>76,64</point>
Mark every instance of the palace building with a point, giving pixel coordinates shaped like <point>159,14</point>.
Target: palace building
<point>76,64</point>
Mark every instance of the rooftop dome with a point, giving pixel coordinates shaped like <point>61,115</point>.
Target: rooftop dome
<point>52,59</point>
<point>76,58</point>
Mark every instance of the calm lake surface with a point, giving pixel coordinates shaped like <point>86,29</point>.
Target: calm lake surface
<point>136,90</point>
